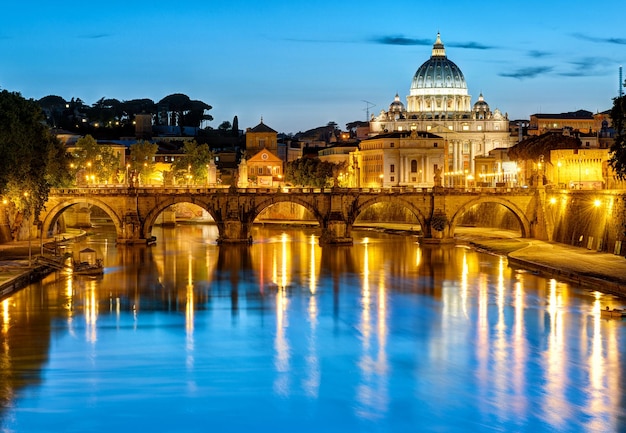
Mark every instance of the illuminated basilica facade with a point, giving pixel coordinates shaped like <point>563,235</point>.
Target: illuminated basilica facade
<point>439,104</point>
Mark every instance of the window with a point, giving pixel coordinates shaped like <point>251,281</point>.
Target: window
<point>435,145</point>
<point>391,145</point>
<point>392,168</point>
<point>392,179</point>
<point>413,166</point>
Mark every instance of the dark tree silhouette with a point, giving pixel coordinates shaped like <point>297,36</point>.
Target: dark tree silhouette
<point>618,148</point>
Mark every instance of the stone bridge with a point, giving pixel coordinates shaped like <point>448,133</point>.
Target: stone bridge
<point>134,211</point>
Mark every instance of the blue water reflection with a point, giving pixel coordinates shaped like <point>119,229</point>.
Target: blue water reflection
<point>383,336</point>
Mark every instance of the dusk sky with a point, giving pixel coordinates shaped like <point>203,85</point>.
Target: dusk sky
<point>300,65</point>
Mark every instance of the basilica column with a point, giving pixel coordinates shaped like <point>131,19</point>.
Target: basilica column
<point>471,157</point>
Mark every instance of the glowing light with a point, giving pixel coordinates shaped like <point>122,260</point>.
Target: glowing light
<point>552,200</point>
<point>597,203</point>
<point>5,316</point>
<point>312,278</point>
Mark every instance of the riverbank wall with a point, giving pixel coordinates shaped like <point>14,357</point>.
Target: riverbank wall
<point>21,279</point>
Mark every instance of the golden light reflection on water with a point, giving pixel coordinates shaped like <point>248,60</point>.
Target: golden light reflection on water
<point>372,392</point>
<point>519,346</point>
<point>282,383</point>
<point>482,309</point>
<point>189,314</point>
<point>313,265</point>
<point>5,316</point>
<point>312,379</point>
<point>91,311</point>
<point>555,359</point>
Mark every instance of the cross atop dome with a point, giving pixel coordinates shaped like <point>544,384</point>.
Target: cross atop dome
<point>438,49</point>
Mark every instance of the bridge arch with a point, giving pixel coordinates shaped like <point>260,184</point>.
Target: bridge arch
<point>362,205</point>
<point>52,215</point>
<point>151,217</point>
<point>263,204</point>
<point>519,214</point>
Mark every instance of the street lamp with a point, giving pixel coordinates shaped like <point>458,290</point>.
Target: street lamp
<point>89,176</point>
<point>381,177</point>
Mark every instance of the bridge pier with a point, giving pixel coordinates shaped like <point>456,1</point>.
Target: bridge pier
<point>336,232</point>
<point>234,232</point>
<point>131,230</point>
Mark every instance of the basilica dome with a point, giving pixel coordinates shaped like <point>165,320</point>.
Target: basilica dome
<point>438,71</point>
<point>396,106</point>
<point>439,87</point>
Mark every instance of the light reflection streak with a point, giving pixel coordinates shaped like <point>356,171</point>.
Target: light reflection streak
<point>280,263</point>
<point>91,312</point>
<point>6,363</point>
<point>69,294</point>
<point>464,284</point>
<point>519,348</point>
<point>312,275</point>
<point>500,341</point>
<point>312,381</point>
<point>372,392</point>
<point>554,406</point>
<point>281,345</point>
<point>482,332</point>
<point>604,389</point>
<point>5,316</point>
<point>189,315</point>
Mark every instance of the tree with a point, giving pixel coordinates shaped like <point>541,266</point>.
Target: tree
<point>32,160</point>
<point>183,111</point>
<point>617,158</point>
<point>142,159</point>
<point>224,126</point>
<point>192,167</point>
<point>235,127</point>
<point>53,107</point>
<point>311,172</point>
<point>94,163</point>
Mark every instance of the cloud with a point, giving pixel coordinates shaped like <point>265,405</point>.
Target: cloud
<point>618,41</point>
<point>587,66</point>
<point>400,40</point>
<point>527,72</point>
<point>539,54</point>
<point>470,45</point>
<point>95,36</point>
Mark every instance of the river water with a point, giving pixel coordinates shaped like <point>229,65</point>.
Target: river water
<point>286,336</point>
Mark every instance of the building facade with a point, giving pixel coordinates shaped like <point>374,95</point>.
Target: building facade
<point>439,103</point>
<point>401,158</point>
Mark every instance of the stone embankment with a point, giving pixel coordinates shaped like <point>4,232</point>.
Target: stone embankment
<point>595,270</point>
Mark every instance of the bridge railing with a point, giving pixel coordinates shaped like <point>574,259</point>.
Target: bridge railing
<point>151,189</point>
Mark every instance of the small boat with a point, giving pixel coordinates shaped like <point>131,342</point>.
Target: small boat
<point>88,264</point>
<point>615,312</point>
<point>86,268</point>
